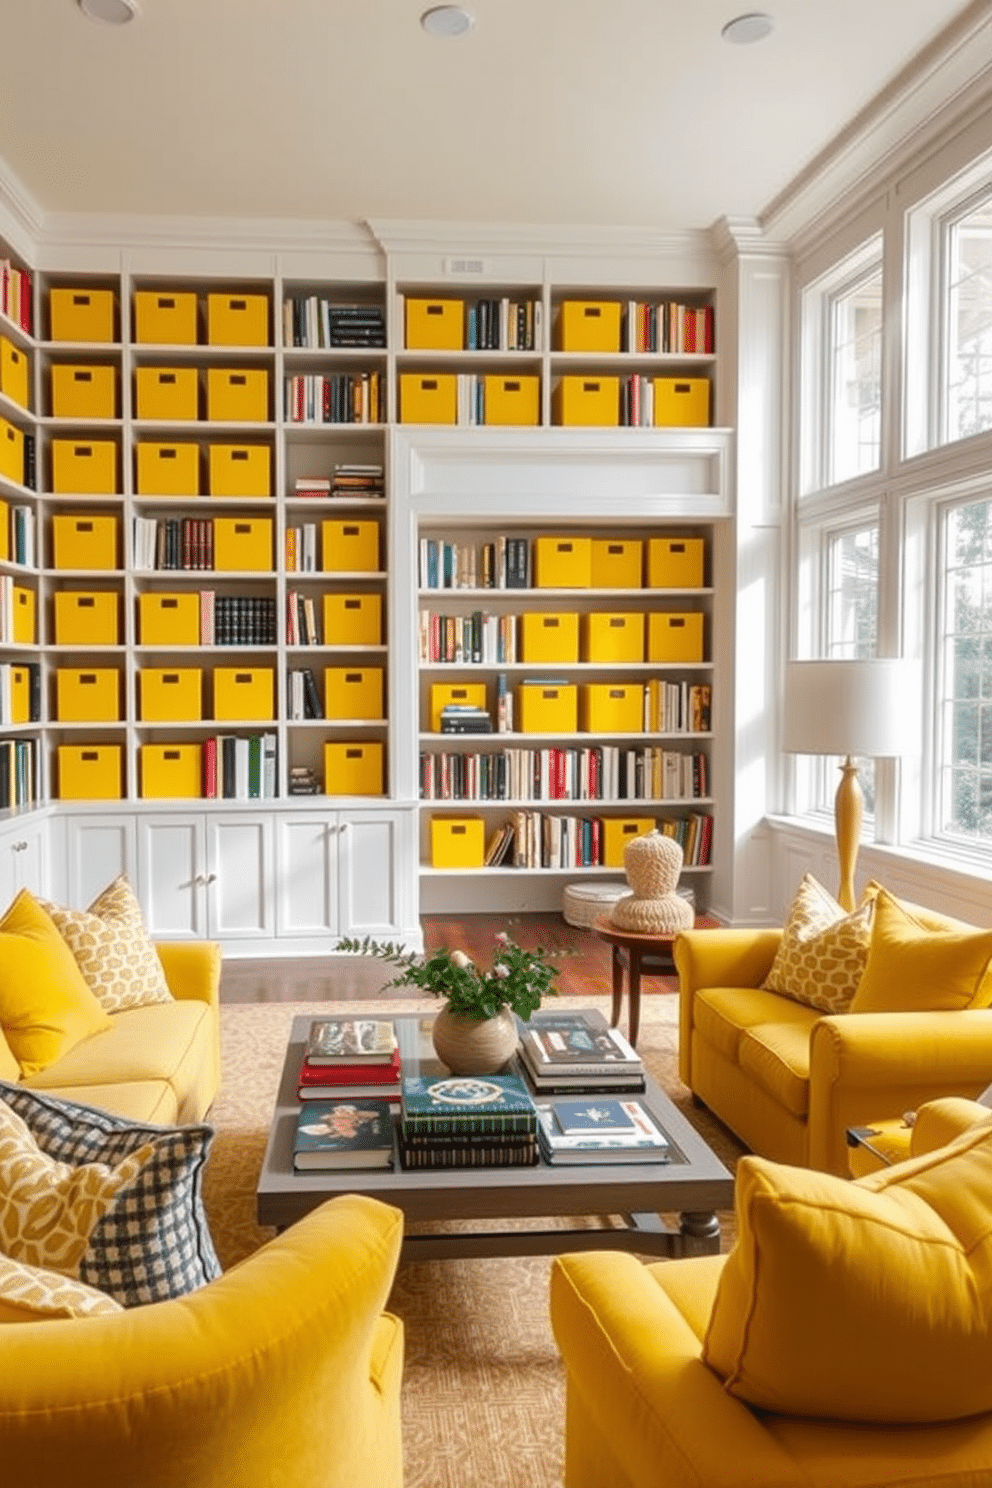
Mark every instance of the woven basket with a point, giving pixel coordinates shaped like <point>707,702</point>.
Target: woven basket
<point>581,904</point>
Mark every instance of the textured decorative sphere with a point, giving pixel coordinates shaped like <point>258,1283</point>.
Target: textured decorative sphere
<point>652,864</point>
<point>474,1046</point>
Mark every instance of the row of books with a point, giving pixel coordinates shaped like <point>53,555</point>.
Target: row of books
<point>504,324</point>
<point>677,707</point>
<point>302,695</point>
<point>543,840</point>
<point>240,768</point>
<point>15,295</point>
<point>335,398</point>
<point>349,478</point>
<point>604,772</point>
<point>7,608</point>
<point>6,692</point>
<point>477,637</point>
<point>20,780</point>
<point>301,548</point>
<point>237,619</point>
<point>173,542</point>
<point>317,323</point>
<point>501,564</point>
<point>302,626</point>
<point>22,527</point>
<point>670,326</point>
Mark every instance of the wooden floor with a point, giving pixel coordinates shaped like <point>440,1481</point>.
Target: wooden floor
<point>582,959</point>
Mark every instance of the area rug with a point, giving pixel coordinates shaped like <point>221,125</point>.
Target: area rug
<point>483,1391</point>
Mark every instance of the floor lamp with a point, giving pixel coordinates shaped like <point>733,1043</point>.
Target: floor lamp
<point>865,708</point>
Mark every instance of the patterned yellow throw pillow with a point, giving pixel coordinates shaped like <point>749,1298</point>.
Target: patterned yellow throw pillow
<point>118,961</point>
<point>31,1293</point>
<point>823,951</point>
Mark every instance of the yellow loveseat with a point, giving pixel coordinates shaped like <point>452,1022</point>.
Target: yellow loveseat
<point>284,1371</point>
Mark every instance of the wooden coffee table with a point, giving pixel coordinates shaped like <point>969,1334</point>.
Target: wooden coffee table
<point>638,955</point>
<point>693,1185</point>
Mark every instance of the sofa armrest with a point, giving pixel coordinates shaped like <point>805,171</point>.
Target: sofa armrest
<point>940,1121</point>
<point>192,969</point>
<point>717,958</point>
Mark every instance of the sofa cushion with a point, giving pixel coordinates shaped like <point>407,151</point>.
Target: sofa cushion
<point>45,1005</point>
<point>864,1301</point>
<point>112,949</point>
<point>823,950</point>
<point>114,1203</point>
<point>776,1056</point>
<point>149,1043</point>
<point>722,1014</point>
<point>31,1294</point>
<point>913,967</point>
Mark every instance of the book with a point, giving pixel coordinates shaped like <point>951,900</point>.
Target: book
<point>467,1105</point>
<point>519,1151</point>
<point>594,1116</point>
<point>642,1140</point>
<point>343,1134</point>
<point>335,1081</point>
<point>573,1043</point>
<point>351,1041</point>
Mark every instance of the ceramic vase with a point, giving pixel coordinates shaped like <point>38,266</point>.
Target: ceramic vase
<point>474,1046</point>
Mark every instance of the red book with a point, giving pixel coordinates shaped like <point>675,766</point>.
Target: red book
<point>210,767</point>
<point>339,1081</point>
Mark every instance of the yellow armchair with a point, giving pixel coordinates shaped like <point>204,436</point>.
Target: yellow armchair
<point>284,1371</point>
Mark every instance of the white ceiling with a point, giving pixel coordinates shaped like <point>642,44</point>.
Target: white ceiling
<point>601,112</point>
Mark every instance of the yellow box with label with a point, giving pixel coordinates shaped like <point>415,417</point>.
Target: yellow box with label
<point>350,547</point>
<point>547,708</point>
<point>586,401</point>
<point>237,320</point>
<point>243,543</point>
<point>588,325</point>
<point>240,396</point>
<point>20,694</point>
<point>455,694</point>
<point>674,637</point>
<point>511,400</point>
<point>164,318</point>
<point>675,563</point>
<point>90,772</point>
<point>351,692</point>
<point>92,695</point>
<point>167,469</point>
<point>617,564</point>
<point>87,618</point>
<point>170,695</point>
<point>617,831</point>
<point>169,619</point>
<point>88,469</point>
<point>613,707</point>
<point>352,620</point>
<point>682,402</point>
<point>434,325</point>
<point>80,392</point>
<point>354,770</point>
<point>613,637</point>
<point>11,453</point>
<point>428,398</point>
<point>458,841</point>
<point>167,393</point>
<point>84,542</point>
<point>81,314</point>
<point>244,692</point>
<point>14,373</point>
<point>548,637</point>
<point>562,562</point>
<point>25,618</point>
<point>240,470</point>
<point>171,770</point>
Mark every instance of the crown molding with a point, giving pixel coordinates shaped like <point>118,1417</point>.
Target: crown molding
<point>21,218</point>
<point>397,236</point>
<point>733,238</point>
<point>260,234</point>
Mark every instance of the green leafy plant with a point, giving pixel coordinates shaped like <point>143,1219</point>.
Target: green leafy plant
<point>516,979</point>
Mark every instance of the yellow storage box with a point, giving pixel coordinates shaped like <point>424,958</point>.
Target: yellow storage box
<point>81,314</point>
<point>244,692</point>
<point>613,707</point>
<point>84,392</point>
<point>25,626</point>
<point>14,373</point>
<point>11,453</point>
<point>169,619</point>
<point>171,770</point>
<point>84,542</point>
<point>237,319</point>
<point>674,637</point>
<point>240,397</point>
<point>87,618</point>
<point>354,770</point>
<point>549,637</point>
<point>87,468</point>
<point>167,469</point>
<point>240,470</point>
<point>20,694</point>
<point>458,841</point>
<point>562,562</point>
<point>165,318</point>
<point>350,547</point>
<point>434,325</point>
<point>88,696</point>
<point>617,831</point>
<point>512,400</point>
<point>352,620</point>
<point>682,402</point>
<point>588,325</point>
<point>456,694</point>
<point>613,637</point>
<point>351,692</point>
<point>243,543</point>
<point>428,398</point>
<point>167,393</point>
<point>90,772</point>
<point>617,564</point>
<point>170,695</point>
<point>547,708</point>
<point>585,401</point>
<point>675,563</point>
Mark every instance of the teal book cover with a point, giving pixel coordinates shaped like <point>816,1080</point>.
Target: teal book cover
<point>344,1134</point>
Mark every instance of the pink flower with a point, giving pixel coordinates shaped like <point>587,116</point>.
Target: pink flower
<point>502,938</point>
<point>500,971</point>
<point>459,959</point>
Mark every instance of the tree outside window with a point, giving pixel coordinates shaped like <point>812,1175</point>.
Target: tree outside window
<point>965,734</point>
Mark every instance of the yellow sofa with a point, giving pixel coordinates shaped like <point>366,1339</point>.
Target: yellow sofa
<point>285,1371</point>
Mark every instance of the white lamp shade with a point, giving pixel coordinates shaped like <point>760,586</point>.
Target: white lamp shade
<point>867,708</point>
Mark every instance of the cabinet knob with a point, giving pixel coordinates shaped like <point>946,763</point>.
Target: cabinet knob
<point>19,846</point>
<point>210,878</point>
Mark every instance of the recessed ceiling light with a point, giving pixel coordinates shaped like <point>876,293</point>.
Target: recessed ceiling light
<point>114,12</point>
<point>447,20</point>
<point>744,29</point>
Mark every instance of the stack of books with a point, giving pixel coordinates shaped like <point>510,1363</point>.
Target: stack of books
<point>348,1057</point>
<point>343,1134</point>
<point>479,1121</point>
<point>464,718</point>
<point>594,1130</point>
<point>560,1052</point>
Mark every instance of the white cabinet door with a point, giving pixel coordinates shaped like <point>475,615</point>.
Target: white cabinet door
<point>307,875</point>
<point>368,868</point>
<point>238,878</point>
<point>23,858</point>
<point>97,850</point>
<point>172,875</point>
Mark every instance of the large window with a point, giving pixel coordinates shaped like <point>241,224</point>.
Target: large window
<point>965,715</point>
<point>855,351</point>
<point>851,607</point>
<point>967,296</point>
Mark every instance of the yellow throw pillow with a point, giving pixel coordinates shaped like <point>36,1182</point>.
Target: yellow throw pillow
<point>913,967</point>
<point>45,1005</point>
<point>823,951</point>
<point>30,1293</point>
<point>112,949</point>
<point>863,1301</point>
